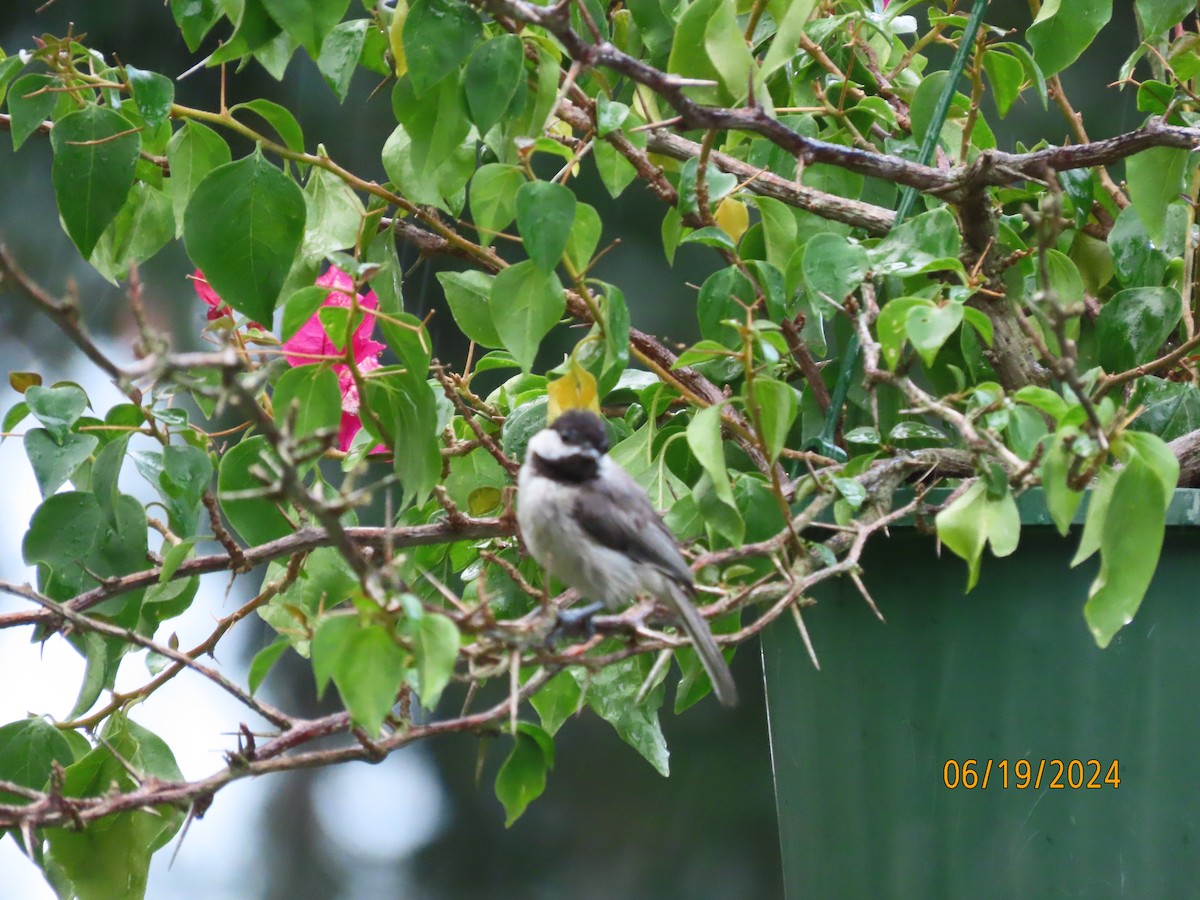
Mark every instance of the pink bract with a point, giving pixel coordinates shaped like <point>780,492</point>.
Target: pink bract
<point>311,342</point>
<point>216,308</point>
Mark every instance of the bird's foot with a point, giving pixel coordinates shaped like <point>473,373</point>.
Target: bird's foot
<point>573,622</point>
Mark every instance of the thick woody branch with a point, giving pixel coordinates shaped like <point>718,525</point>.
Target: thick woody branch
<point>466,529</point>
<point>875,220</point>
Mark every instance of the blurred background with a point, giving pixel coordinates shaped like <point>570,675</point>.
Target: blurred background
<point>424,823</point>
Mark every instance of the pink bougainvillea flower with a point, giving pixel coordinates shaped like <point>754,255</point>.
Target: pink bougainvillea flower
<point>310,344</point>
<point>351,422</point>
<point>217,308</point>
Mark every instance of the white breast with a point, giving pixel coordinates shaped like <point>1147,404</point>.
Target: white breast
<point>556,540</point>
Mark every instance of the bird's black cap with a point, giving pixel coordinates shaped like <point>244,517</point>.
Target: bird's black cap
<point>582,428</point>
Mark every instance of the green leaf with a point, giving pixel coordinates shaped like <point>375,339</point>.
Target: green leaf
<point>29,108</point>
<point>14,417</point>
<point>153,94</point>
<point>195,19</point>
<point>709,45</point>
<point>556,701</point>
<point>369,673</point>
<point>312,394</point>
<point>493,196</point>
<point>142,227</point>
<point>1093,524</point>
<point>307,21</point>
<point>1155,179</point>
<point>340,53</point>
<point>264,660</point>
<point>978,320</point>
<point>61,531</point>
<point>111,857</point>
<point>438,36</point>
<point>467,295</point>
<point>1064,282</point>
<point>9,67</point>
<point>610,115</point>
<point>493,75</point>
<point>1136,259</point>
<point>1062,31</point>
<point>610,693</point>
<point>253,29</point>
<point>583,237</point>
<point>442,187</point>
<point>710,237</point>
<point>719,185</point>
<point>408,412</point>
<point>522,777</point>
<point>95,152</point>
<point>777,407</point>
<point>545,214</point>
<point>1131,536</point>
<point>256,519</point>
<point>719,301</point>
<point>1133,325</point>
<point>435,642</point>
<point>328,580</point>
<point>616,172</point>
<point>333,215</point>
<point>301,306</point>
<point>689,56</point>
<point>704,439</point>
<point>436,123</point>
<point>522,424</point>
<point>1170,409</point>
<point>174,558</point>
<point>616,339</point>
<point>242,228</point>
<point>28,750</point>
<point>57,408</point>
<point>928,327</point>
<point>833,267</point>
<point>278,117</point>
<point>1006,75</point>
<point>53,463</point>
<point>784,44</point>
<point>976,518</point>
<point>1061,501</point>
<point>330,640</point>
<point>1159,15</point>
<point>852,491</point>
<point>193,151</point>
<point>892,326</point>
<point>921,240</point>
<point>1043,399</point>
<point>526,303</point>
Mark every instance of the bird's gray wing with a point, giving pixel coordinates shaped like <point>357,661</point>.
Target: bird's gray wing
<point>618,515</point>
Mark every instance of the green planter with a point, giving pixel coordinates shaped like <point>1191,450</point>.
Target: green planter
<point>1006,673</point>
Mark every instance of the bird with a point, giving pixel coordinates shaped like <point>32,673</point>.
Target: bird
<point>589,524</point>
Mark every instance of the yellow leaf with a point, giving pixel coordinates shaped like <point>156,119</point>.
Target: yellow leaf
<point>395,37</point>
<point>733,218</point>
<point>575,390</point>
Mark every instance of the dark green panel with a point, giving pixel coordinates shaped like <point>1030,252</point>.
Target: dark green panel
<point>1008,672</point>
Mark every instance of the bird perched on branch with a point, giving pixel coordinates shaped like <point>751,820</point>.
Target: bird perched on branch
<point>590,525</point>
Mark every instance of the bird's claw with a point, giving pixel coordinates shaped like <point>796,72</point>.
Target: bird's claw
<point>571,622</point>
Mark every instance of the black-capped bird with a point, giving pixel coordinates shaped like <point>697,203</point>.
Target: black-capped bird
<point>591,526</point>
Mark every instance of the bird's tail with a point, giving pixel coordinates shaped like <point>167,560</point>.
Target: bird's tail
<point>706,648</point>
